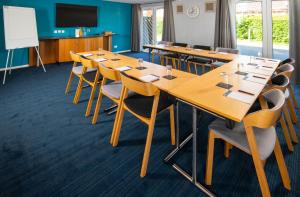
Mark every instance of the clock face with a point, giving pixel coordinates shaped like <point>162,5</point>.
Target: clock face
<point>193,11</point>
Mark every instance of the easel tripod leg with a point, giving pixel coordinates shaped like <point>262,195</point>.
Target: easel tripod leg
<point>11,60</point>
<point>7,59</point>
<point>38,54</point>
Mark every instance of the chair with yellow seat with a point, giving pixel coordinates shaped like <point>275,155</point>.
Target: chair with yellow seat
<point>145,105</point>
<point>92,79</point>
<point>111,90</point>
<point>76,69</point>
<point>256,135</point>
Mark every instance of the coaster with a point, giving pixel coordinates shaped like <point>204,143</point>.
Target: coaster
<point>141,68</point>
<point>115,59</point>
<point>224,85</point>
<point>259,58</point>
<point>100,54</point>
<point>241,73</point>
<point>169,77</point>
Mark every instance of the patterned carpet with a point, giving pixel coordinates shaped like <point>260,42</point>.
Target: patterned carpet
<point>48,148</point>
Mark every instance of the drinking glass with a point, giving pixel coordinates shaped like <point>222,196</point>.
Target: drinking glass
<point>140,61</point>
<point>169,70</point>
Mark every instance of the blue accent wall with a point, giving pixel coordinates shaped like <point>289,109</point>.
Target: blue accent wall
<point>115,17</point>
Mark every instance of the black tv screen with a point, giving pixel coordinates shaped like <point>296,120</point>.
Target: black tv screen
<point>68,15</point>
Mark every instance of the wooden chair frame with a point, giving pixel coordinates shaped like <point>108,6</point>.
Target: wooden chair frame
<point>107,74</point>
<point>145,89</point>
<point>87,63</point>
<point>261,119</point>
<point>76,59</point>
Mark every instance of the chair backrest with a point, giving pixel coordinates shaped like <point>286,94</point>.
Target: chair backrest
<point>87,63</point>
<point>139,87</point>
<point>280,81</point>
<point>202,47</point>
<point>75,57</point>
<point>287,61</point>
<point>267,118</point>
<point>227,50</point>
<point>286,69</point>
<point>109,73</point>
<point>180,44</point>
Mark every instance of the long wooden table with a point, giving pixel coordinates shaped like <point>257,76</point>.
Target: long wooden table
<point>201,92</point>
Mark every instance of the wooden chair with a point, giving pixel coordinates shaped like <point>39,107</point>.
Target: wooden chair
<point>198,61</point>
<point>256,135</point>
<point>145,105</point>
<point>76,70</point>
<point>159,53</point>
<point>217,64</point>
<point>174,57</point>
<point>282,82</point>
<point>287,61</point>
<point>288,70</point>
<point>91,78</point>
<point>111,90</point>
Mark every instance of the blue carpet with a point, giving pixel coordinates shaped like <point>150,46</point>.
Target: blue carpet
<point>48,148</point>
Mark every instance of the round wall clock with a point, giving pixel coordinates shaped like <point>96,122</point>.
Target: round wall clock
<point>193,11</point>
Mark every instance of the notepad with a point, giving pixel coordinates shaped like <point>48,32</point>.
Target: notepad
<point>198,49</point>
<point>87,55</point>
<point>242,97</point>
<point>224,53</point>
<point>149,78</point>
<point>124,68</point>
<point>100,60</point>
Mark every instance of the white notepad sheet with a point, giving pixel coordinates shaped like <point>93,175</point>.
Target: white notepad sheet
<point>149,78</point>
<point>123,68</point>
<point>100,60</point>
<point>256,80</point>
<point>245,98</point>
<point>87,55</point>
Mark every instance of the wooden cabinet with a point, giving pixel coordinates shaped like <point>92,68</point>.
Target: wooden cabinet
<point>54,50</point>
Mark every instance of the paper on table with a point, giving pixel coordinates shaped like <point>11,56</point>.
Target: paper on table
<point>256,79</point>
<point>100,59</point>
<point>149,78</point>
<point>245,98</point>
<point>87,55</point>
<point>124,68</point>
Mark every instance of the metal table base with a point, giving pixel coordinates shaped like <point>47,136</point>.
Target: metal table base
<point>192,178</point>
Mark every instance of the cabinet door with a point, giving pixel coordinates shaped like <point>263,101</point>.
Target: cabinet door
<point>65,46</point>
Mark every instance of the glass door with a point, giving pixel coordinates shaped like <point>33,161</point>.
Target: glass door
<point>152,25</point>
<point>249,27</point>
<point>262,28</point>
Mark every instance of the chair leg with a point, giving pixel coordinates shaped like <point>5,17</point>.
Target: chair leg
<point>69,82</point>
<point>292,111</point>
<point>147,148</point>
<point>78,91</point>
<point>174,63</point>
<point>179,64</point>
<point>161,61</point>
<point>203,69</point>
<point>282,166</point>
<point>97,108</point>
<point>196,70</point>
<point>227,148</point>
<point>262,179</point>
<point>292,92</point>
<point>153,58</point>
<point>118,126</point>
<point>210,158</point>
<point>189,67</point>
<point>172,124</point>
<point>290,124</point>
<point>90,103</point>
<point>286,134</point>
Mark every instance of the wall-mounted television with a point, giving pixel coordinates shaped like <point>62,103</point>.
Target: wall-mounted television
<point>69,15</point>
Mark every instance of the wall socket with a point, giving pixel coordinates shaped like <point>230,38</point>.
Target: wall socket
<point>115,46</point>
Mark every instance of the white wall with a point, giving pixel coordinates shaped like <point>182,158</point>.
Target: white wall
<point>199,30</point>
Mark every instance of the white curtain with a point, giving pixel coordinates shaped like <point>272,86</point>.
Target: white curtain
<point>295,35</point>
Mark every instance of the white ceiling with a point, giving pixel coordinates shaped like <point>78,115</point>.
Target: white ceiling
<point>137,1</point>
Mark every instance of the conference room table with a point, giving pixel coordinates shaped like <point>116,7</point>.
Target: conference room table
<point>247,76</point>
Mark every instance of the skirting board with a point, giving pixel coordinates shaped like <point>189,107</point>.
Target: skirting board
<point>15,67</point>
<point>125,51</point>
